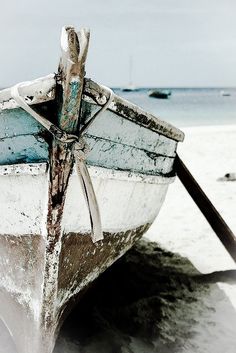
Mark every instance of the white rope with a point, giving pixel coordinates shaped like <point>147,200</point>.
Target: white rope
<point>22,104</point>
<point>80,150</point>
<point>55,131</point>
<point>80,153</point>
<point>104,107</point>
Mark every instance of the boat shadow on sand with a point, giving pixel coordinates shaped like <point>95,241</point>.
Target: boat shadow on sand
<point>151,300</point>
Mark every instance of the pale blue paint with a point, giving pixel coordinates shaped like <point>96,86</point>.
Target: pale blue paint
<point>118,129</point>
<point>15,122</point>
<point>122,157</point>
<point>20,140</point>
<point>115,143</point>
<point>69,116</point>
<point>23,149</point>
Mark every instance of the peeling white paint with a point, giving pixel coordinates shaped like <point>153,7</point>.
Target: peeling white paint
<point>23,169</point>
<point>43,90</point>
<point>127,201</point>
<point>105,173</point>
<point>23,202</point>
<point>37,91</point>
<point>123,204</point>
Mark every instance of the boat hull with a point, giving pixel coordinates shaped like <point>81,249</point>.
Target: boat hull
<point>129,203</point>
<point>47,254</point>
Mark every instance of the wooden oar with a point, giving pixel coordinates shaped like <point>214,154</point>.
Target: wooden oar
<point>213,217</point>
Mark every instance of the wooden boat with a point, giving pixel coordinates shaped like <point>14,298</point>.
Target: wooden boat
<point>159,94</point>
<point>51,242</point>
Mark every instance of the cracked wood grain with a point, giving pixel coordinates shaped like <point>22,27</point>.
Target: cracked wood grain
<point>98,94</point>
<point>68,96</point>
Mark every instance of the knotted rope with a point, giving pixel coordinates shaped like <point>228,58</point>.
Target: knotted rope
<point>80,150</point>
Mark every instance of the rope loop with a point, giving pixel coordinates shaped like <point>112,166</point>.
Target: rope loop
<point>80,151</point>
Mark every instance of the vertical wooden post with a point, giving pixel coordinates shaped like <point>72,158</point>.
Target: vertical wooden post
<point>68,95</point>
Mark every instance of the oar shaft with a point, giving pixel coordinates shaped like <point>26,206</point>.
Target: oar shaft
<point>213,217</point>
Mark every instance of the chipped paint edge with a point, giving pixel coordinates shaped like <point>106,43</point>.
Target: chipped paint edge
<point>23,169</point>
<point>95,172</point>
<point>34,92</point>
<point>97,94</point>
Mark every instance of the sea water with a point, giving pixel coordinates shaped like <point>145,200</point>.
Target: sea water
<point>188,106</point>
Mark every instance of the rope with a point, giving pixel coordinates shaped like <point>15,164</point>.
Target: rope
<point>105,106</point>
<point>53,129</point>
<point>80,150</point>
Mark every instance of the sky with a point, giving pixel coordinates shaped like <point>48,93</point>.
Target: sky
<point>172,43</point>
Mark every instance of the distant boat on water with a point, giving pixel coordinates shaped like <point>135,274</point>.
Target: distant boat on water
<point>225,94</point>
<point>130,87</point>
<point>159,94</point>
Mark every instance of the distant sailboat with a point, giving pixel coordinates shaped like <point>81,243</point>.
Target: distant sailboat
<point>130,87</point>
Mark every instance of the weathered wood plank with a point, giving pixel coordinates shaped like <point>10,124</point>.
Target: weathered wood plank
<point>15,122</point>
<point>104,153</point>
<point>142,150</point>
<point>115,128</point>
<point>107,145</point>
<point>72,67</point>
<point>23,149</point>
<point>97,94</point>
<point>37,91</point>
<point>108,154</point>
<point>93,93</point>
<point>68,96</point>
<point>23,169</point>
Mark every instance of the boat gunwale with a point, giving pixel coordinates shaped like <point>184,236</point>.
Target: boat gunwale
<point>42,90</point>
<point>97,94</point>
